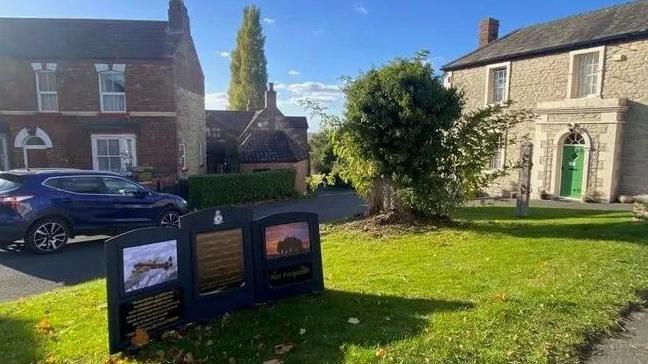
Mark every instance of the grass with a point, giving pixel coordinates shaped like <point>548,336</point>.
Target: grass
<point>496,289</point>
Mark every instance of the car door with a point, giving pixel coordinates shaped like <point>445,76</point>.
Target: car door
<point>132,205</point>
<point>84,200</point>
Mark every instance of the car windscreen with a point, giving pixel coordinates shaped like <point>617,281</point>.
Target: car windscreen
<point>10,182</point>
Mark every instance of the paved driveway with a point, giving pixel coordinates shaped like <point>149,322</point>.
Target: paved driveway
<point>22,273</point>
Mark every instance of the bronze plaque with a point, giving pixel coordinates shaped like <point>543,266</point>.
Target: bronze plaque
<point>219,257</point>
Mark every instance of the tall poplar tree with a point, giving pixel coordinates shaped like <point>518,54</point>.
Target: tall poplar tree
<point>248,68</point>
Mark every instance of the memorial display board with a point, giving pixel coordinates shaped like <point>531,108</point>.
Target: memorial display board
<point>219,260</point>
<point>146,271</point>
<point>222,260</point>
<point>288,259</point>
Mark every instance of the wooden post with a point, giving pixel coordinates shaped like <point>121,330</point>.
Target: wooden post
<point>524,180</point>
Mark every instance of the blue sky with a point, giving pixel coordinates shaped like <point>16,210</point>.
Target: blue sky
<point>310,44</point>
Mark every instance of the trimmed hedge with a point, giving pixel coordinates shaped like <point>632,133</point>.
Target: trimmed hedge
<point>236,188</point>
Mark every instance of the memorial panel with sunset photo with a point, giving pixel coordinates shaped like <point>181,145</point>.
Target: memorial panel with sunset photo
<point>287,240</point>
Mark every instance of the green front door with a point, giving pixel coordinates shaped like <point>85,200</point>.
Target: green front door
<point>572,171</point>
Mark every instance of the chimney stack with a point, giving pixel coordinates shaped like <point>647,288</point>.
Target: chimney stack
<point>178,18</point>
<point>488,31</point>
<point>271,97</point>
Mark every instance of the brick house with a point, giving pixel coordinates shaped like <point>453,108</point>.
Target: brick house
<point>586,79</point>
<point>117,95</point>
<point>252,141</point>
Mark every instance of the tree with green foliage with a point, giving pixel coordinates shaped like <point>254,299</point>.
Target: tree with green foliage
<point>249,75</point>
<point>405,144</point>
<point>322,154</point>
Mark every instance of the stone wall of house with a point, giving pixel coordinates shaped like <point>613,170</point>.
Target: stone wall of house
<point>190,100</point>
<point>301,168</point>
<point>192,131</point>
<point>544,79</point>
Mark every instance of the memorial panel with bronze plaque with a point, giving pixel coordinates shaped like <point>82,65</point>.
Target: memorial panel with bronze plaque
<point>222,260</point>
<point>220,263</point>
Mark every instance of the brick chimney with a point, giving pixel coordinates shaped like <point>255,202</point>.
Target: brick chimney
<point>178,18</point>
<point>271,97</point>
<point>488,31</point>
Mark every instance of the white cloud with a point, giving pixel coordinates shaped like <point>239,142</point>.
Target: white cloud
<point>269,20</point>
<point>294,73</point>
<point>224,54</point>
<point>216,101</point>
<point>361,9</point>
<point>316,91</point>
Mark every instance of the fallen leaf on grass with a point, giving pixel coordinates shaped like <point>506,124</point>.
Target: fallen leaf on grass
<point>283,348</point>
<point>501,297</point>
<point>353,320</point>
<point>44,326</point>
<point>140,338</point>
<point>273,361</point>
<point>381,353</point>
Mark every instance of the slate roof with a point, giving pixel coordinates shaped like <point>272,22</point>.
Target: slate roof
<point>297,122</point>
<point>579,31</point>
<point>270,146</point>
<point>84,38</point>
<point>237,121</point>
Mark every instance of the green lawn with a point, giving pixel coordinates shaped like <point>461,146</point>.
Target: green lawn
<point>493,290</point>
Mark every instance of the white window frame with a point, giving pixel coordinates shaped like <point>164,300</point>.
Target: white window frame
<point>4,149</point>
<point>489,83</point>
<point>571,91</point>
<point>501,151</point>
<point>123,139</point>
<point>102,93</point>
<point>39,93</point>
<point>447,79</point>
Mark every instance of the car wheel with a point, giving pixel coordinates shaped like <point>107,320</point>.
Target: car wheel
<point>170,218</point>
<point>47,235</point>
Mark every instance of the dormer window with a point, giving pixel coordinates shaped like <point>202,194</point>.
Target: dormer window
<point>497,83</point>
<point>586,72</point>
<point>46,86</point>
<point>112,90</point>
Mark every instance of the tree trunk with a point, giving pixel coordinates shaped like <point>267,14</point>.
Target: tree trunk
<point>382,198</point>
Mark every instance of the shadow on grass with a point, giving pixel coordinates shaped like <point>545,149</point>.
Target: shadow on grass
<point>17,341</point>
<point>251,336</point>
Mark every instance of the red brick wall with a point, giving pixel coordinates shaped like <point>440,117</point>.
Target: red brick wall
<point>71,139</point>
<point>149,85</point>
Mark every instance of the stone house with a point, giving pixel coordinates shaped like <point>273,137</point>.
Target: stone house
<point>115,95</point>
<point>253,141</point>
<point>586,79</point>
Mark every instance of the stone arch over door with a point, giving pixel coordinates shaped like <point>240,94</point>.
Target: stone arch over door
<point>571,137</point>
<point>34,143</point>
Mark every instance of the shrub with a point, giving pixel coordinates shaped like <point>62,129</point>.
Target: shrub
<point>237,188</point>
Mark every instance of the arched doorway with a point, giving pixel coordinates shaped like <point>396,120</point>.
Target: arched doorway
<point>573,166</point>
<point>34,144</point>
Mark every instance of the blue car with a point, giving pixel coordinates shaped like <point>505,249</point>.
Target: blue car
<point>46,208</point>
